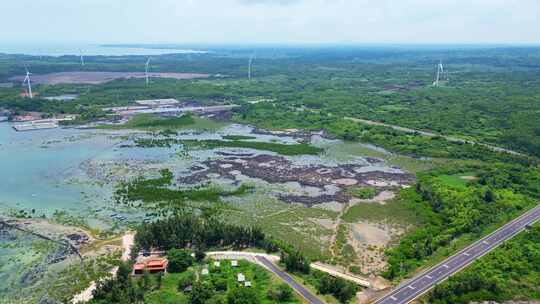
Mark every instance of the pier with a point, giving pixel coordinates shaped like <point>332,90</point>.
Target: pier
<point>36,125</point>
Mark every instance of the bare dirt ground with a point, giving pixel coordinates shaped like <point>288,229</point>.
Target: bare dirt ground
<point>370,241</point>
<point>100,77</point>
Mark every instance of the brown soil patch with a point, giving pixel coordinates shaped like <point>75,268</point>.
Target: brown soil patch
<point>100,77</point>
<point>370,234</point>
<point>370,240</point>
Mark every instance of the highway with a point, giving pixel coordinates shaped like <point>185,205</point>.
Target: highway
<point>422,283</point>
<point>306,294</point>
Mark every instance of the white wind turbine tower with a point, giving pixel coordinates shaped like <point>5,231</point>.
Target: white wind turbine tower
<point>82,57</point>
<point>27,80</point>
<point>249,66</point>
<point>440,72</point>
<point>146,68</point>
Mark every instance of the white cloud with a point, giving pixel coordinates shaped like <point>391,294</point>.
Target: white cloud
<point>267,21</point>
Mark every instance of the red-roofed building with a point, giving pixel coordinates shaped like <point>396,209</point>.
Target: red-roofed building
<point>138,268</point>
<point>152,266</point>
<point>157,265</point>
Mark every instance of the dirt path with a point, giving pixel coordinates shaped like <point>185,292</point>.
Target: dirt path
<point>86,295</point>
<point>333,271</point>
<point>339,221</point>
<point>433,134</point>
<point>128,240</point>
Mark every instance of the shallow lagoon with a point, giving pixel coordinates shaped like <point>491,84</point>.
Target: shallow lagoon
<point>33,172</point>
<point>45,170</point>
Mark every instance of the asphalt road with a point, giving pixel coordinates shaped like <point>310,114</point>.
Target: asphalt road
<point>412,289</point>
<point>306,294</point>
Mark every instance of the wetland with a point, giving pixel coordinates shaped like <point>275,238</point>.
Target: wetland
<point>293,185</point>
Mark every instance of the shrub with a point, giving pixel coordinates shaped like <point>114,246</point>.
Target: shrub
<point>179,260</point>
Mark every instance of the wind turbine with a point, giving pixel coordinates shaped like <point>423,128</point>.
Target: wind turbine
<point>146,68</point>
<point>27,80</point>
<point>249,66</point>
<point>82,57</point>
<point>440,70</point>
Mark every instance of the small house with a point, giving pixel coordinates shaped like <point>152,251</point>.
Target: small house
<point>247,284</point>
<point>234,263</point>
<point>205,271</point>
<point>241,278</point>
<point>152,266</point>
<point>217,264</point>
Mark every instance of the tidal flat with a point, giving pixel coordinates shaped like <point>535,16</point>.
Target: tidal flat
<point>68,177</point>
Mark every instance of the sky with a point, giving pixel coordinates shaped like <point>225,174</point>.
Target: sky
<point>270,21</point>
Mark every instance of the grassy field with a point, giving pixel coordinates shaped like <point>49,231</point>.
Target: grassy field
<point>168,293</point>
<point>345,253</point>
<point>455,181</point>
<point>283,149</point>
<point>223,278</point>
<point>394,211</point>
<point>156,123</point>
<point>294,224</point>
<point>407,163</point>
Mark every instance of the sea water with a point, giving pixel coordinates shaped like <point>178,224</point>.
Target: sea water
<point>87,50</point>
<point>35,165</point>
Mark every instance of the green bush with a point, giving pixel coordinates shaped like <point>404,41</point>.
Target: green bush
<point>186,281</point>
<point>179,260</point>
<point>281,293</point>
<point>242,295</point>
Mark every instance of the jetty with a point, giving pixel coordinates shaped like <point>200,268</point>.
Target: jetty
<point>36,125</point>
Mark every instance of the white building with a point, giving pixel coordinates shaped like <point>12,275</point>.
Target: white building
<point>158,102</point>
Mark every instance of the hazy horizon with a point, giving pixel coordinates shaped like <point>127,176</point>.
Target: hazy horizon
<point>262,22</point>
